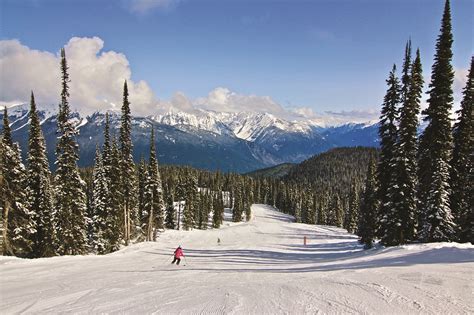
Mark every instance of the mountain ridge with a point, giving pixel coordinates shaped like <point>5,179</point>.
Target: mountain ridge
<point>239,142</point>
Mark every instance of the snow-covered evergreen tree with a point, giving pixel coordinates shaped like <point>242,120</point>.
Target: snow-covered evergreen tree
<point>237,210</point>
<point>115,217</point>
<point>368,209</point>
<point>336,211</point>
<point>128,179</point>
<point>39,190</point>
<point>142,176</point>
<point>218,210</point>
<point>154,205</point>
<point>436,142</point>
<point>388,217</point>
<point>191,197</point>
<point>100,206</point>
<point>353,213</point>
<point>403,189</point>
<point>462,164</point>
<point>19,226</point>
<point>170,221</point>
<point>69,187</point>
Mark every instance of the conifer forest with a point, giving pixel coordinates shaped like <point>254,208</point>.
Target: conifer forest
<point>417,187</point>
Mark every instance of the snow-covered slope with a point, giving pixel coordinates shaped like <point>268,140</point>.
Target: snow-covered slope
<point>260,267</point>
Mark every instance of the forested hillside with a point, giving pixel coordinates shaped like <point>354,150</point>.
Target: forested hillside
<point>334,171</point>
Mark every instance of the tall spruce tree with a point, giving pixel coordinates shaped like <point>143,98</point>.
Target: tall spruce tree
<point>18,223</point>
<point>100,206</point>
<point>462,164</point>
<point>368,209</point>
<point>403,189</point>
<point>39,190</point>
<point>436,142</point>
<point>191,198</point>
<point>127,168</point>
<point>142,175</point>
<point>154,205</point>
<point>353,213</point>
<point>387,214</point>
<point>115,223</point>
<point>170,212</point>
<point>69,188</point>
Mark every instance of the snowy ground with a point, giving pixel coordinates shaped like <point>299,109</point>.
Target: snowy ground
<point>261,267</point>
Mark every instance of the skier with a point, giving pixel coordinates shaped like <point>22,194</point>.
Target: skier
<point>178,253</point>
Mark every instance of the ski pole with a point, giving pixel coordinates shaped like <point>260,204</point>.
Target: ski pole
<point>185,261</point>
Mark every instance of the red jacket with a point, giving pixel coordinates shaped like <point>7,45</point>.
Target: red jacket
<point>178,253</point>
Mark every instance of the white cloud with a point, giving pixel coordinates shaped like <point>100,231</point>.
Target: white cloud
<point>223,100</point>
<point>96,77</point>
<point>144,6</point>
<point>329,118</point>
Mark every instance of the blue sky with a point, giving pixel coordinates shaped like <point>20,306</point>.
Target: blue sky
<point>327,55</point>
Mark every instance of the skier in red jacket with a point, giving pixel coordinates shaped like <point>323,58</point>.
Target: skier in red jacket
<point>178,253</point>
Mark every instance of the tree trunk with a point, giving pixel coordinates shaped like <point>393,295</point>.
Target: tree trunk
<point>6,247</point>
<point>125,237</point>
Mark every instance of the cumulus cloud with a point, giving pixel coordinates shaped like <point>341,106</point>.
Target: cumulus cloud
<point>223,100</point>
<point>328,118</point>
<point>96,77</point>
<point>144,6</point>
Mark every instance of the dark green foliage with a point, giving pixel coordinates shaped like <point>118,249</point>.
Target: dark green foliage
<point>153,213</point>
<point>353,211</point>
<point>115,218</point>
<point>368,209</point>
<point>39,190</point>
<point>127,167</point>
<point>436,143</point>
<point>18,223</point>
<point>462,171</point>
<point>277,171</point>
<point>218,210</point>
<point>69,188</point>
<point>191,198</point>
<point>387,214</point>
<point>100,206</point>
<point>403,188</point>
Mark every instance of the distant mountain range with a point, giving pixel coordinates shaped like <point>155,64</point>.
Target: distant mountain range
<point>239,142</point>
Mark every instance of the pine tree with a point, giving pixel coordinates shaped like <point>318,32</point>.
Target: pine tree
<point>69,187</point>
<point>154,206</point>
<point>115,223</point>
<point>368,209</point>
<point>180,195</point>
<point>403,188</point>
<point>170,213</point>
<point>436,142</point>
<point>39,190</point>
<point>462,164</point>
<point>353,213</point>
<point>127,168</point>
<point>142,175</point>
<point>191,198</point>
<point>218,208</point>
<point>237,211</point>
<point>100,206</point>
<point>336,210</point>
<point>18,224</point>
<point>388,216</point>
